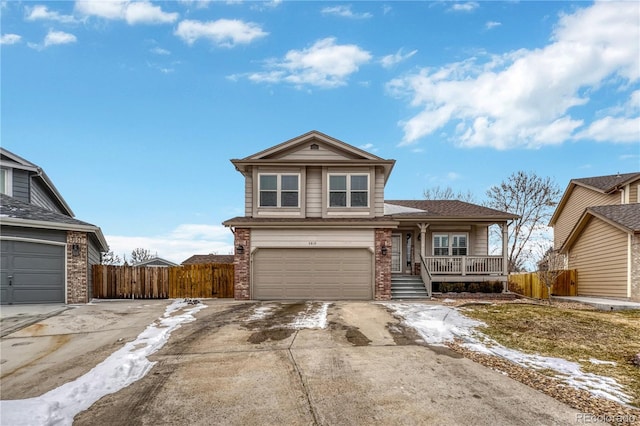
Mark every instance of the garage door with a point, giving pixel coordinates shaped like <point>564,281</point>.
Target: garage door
<point>308,273</point>
<point>31,273</point>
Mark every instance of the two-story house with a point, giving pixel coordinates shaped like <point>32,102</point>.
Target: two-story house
<point>597,227</point>
<point>46,254</point>
<point>317,226</point>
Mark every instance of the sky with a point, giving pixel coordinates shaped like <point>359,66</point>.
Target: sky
<point>134,108</point>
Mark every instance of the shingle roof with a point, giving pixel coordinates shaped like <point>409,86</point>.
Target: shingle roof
<point>448,208</point>
<point>197,259</point>
<point>609,182</point>
<point>11,207</point>
<point>625,215</point>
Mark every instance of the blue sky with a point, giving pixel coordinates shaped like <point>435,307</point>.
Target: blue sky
<point>134,108</point>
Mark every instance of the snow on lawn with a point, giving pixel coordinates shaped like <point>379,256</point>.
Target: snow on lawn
<point>440,324</point>
<point>119,370</point>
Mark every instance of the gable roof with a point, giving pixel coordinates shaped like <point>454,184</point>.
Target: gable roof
<point>16,213</point>
<point>346,154</point>
<point>155,261</point>
<point>11,160</point>
<point>443,209</point>
<point>625,217</point>
<point>603,184</point>
<point>198,259</point>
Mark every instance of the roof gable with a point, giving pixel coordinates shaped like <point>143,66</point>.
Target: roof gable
<point>313,144</point>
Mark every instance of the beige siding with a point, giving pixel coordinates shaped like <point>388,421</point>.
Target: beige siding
<point>600,256</point>
<point>479,240</point>
<point>309,237</point>
<point>324,152</point>
<point>312,273</point>
<point>578,201</point>
<point>378,189</point>
<point>314,192</point>
<point>248,195</point>
<point>634,192</point>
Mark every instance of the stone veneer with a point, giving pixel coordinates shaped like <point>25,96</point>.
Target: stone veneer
<point>77,275</point>
<point>383,265</point>
<point>241,262</point>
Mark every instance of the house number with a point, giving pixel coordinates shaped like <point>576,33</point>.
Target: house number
<point>312,243</point>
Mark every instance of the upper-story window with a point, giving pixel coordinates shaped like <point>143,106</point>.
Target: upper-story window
<point>348,190</point>
<point>450,244</point>
<point>5,182</point>
<point>279,190</point>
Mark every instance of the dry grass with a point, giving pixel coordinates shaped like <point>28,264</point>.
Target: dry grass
<point>572,334</point>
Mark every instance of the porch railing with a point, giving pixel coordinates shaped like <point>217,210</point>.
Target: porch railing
<point>464,265</point>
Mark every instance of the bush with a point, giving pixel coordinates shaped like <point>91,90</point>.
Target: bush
<point>473,287</point>
<point>486,287</point>
<point>498,287</point>
<point>515,288</point>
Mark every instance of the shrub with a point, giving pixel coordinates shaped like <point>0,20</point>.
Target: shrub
<point>486,287</point>
<point>473,287</point>
<point>498,287</point>
<point>515,288</point>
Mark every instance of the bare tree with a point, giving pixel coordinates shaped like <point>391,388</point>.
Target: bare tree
<point>531,197</point>
<point>110,258</point>
<point>550,267</point>
<point>438,193</point>
<point>140,255</point>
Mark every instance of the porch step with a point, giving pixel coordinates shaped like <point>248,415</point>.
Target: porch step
<point>408,287</point>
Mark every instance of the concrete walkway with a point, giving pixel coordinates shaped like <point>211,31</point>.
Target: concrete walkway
<point>601,303</point>
<point>17,317</point>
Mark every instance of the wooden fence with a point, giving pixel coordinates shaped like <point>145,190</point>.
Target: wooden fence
<point>529,284</point>
<point>145,282</point>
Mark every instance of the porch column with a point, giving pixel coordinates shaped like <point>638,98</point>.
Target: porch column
<point>423,235</point>
<point>505,255</point>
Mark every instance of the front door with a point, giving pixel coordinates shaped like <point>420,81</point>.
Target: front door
<point>396,253</point>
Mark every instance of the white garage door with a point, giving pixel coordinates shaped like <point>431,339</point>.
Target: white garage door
<point>311,273</point>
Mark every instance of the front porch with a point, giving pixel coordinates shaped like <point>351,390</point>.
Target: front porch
<point>465,268</point>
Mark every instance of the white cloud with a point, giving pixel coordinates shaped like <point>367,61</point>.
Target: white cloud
<point>526,97</point>
<point>391,60</point>
<point>179,244</point>
<point>160,51</point>
<point>345,12</point>
<point>41,12</point>
<point>223,32</point>
<point>138,12</point>
<point>10,39</point>
<point>58,37</point>
<point>465,7</point>
<point>492,24</point>
<point>324,64</point>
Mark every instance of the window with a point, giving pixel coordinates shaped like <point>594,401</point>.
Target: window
<point>5,182</point>
<point>450,244</point>
<point>349,190</point>
<point>279,190</point>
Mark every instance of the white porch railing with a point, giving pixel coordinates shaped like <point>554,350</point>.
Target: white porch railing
<point>464,265</point>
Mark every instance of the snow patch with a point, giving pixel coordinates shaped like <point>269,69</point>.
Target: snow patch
<point>122,368</point>
<point>440,324</point>
<point>311,317</point>
<point>260,312</point>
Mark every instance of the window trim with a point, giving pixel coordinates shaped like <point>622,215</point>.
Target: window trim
<point>348,190</point>
<point>450,236</point>
<point>8,181</point>
<point>279,191</point>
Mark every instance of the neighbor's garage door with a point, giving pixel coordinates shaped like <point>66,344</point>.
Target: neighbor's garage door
<point>309,273</point>
<point>31,273</point>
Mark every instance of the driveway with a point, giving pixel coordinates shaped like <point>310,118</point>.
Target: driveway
<point>249,363</point>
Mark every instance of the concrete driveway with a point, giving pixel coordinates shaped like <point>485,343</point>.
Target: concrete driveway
<point>247,363</point>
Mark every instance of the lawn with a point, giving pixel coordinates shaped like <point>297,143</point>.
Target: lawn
<point>581,335</point>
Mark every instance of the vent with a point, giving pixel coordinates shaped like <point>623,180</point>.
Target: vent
<point>315,146</point>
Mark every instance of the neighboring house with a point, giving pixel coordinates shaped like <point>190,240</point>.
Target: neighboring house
<point>316,226</point>
<point>46,254</point>
<point>156,262</point>
<point>597,227</point>
<point>199,259</point>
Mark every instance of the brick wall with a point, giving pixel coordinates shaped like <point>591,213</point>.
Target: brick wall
<point>242,273</point>
<point>77,279</point>
<point>383,265</point>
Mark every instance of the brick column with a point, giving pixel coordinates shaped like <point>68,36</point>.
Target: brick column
<point>77,264</point>
<point>383,265</point>
<point>242,264</point>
